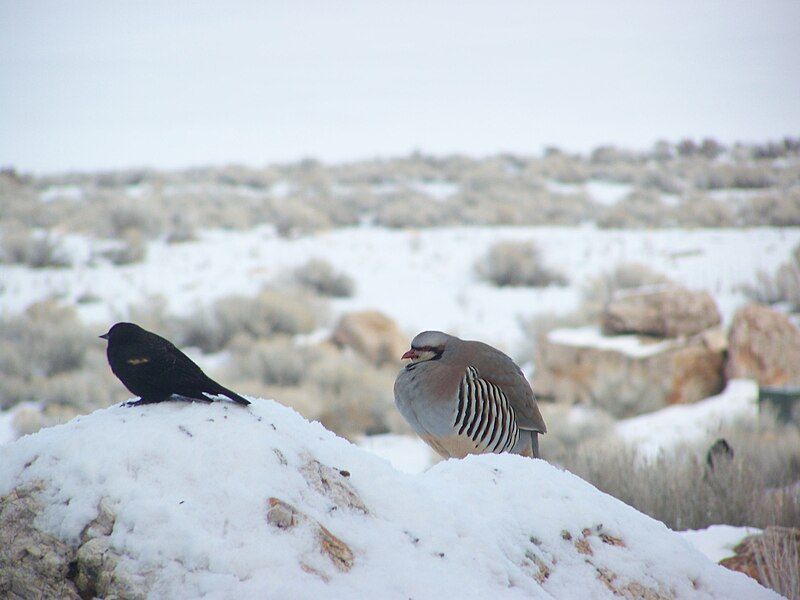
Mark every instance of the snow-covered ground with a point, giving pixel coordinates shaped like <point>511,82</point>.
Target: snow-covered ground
<point>592,337</point>
<point>424,279</point>
<point>661,430</point>
<point>718,541</point>
<point>190,488</point>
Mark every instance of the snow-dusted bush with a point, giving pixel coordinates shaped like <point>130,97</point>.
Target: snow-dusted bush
<point>125,217</point>
<point>294,216</point>
<point>410,212</point>
<point>699,210</point>
<point>781,210</point>
<point>48,339</point>
<point>37,250</point>
<point>319,276</point>
<point>272,312</point>
<point>711,148</point>
<point>517,264</point>
<point>275,361</point>
<point>781,287</point>
<point>661,180</point>
<point>641,208</point>
<point>569,427</point>
<point>130,249</point>
<point>355,397</point>
<point>597,291</point>
<point>181,230</point>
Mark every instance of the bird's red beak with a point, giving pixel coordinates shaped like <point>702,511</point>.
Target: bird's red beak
<point>410,354</point>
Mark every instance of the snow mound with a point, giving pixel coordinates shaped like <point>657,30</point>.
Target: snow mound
<point>220,501</point>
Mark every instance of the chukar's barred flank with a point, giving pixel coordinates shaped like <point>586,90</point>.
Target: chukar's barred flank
<point>484,414</point>
<point>464,397</point>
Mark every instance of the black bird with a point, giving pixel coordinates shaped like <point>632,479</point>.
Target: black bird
<point>719,451</point>
<point>154,369</point>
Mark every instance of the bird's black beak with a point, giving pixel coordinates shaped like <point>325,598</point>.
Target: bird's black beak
<point>104,336</point>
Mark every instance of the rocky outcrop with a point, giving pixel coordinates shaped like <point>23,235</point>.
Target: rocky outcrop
<point>628,375</point>
<point>666,312</point>
<point>35,564</point>
<point>371,334</point>
<point>764,345</point>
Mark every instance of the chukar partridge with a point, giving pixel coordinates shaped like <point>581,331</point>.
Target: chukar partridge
<point>464,397</point>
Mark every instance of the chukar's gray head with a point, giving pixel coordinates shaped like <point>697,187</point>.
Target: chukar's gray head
<point>428,345</point>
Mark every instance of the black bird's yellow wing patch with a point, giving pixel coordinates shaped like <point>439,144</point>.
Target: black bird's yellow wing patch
<point>138,361</point>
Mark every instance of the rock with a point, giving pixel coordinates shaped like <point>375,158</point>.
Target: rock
<point>285,516</point>
<point>627,375</point>
<point>767,555</point>
<point>333,484</point>
<point>41,562</point>
<point>34,564</point>
<point>666,312</point>
<point>764,345</point>
<point>371,334</point>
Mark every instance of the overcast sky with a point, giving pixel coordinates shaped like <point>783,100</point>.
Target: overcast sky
<point>104,84</point>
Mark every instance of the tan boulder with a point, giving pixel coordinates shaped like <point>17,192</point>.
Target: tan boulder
<point>670,311</point>
<point>627,375</point>
<point>373,335</point>
<point>764,345</point>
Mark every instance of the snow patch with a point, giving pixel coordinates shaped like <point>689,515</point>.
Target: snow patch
<point>591,337</point>
<point>717,541</point>
<point>661,430</point>
<point>405,453</point>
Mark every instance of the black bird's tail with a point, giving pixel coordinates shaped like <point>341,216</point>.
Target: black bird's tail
<point>218,389</point>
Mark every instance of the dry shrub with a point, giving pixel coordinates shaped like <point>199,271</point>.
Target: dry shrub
<point>356,398</point>
<point>410,212</point>
<point>340,389</point>
<point>781,287</point>
<point>782,210</point>
<point>755,488</point>
<point>273,362</point>
<point>37,250</point>
<point>295,217</point>
<point>778,562</point>
<point>319,276</point>
<point>570,426</point>
<point>181,230</point>
<point>47,356</point>
<point>270,313</point>
<point>81,391</point>
<point>598,291</point>
<point>124,216</point>
<point>130,249</point>
<point>517,264</point>
<point>47,339</point>
<point>641,208</point>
